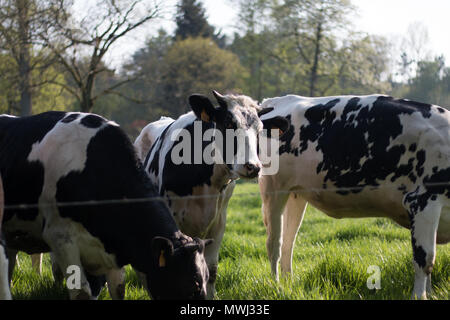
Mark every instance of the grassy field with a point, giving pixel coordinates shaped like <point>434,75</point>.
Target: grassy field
<point>330,261</point>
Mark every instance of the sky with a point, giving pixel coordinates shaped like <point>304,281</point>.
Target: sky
<point>389,18</point>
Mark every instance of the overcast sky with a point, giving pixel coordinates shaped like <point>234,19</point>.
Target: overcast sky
<point>389,18</point>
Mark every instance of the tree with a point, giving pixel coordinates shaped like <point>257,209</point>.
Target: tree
<point>192,22</point>
<point>312,26</point>
<point>92,37</point>
<point>431,83</point>
<point>196,65</point>
<point>22,23</point>
<point>413,48</point>
<point>255,46</point>
<point>137,102</point>
<point>307,47</point>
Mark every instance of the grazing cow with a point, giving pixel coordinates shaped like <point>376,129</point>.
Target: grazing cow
<point>5,293</point>
<point>56,161</point>
<point>361,156</point>
<point>198,192</point>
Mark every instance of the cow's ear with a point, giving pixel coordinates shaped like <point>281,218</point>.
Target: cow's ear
<point>162,251</point>
<point>277,122</point>
<point>264,111</point>
<point>202,107</point>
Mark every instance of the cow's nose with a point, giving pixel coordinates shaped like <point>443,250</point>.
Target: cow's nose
<point>252,169</point>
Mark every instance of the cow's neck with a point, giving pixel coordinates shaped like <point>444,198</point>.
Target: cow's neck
<point>158,221</point>
<point>222,176</point>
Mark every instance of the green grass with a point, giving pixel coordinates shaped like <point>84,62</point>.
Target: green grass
<point>330,260</point>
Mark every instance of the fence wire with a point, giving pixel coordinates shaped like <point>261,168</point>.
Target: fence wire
<point>27,206</point>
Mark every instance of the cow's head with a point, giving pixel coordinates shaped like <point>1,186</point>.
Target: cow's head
<point>181,272</point>
<point>236,114</point>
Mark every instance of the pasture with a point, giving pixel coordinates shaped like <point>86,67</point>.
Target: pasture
<point>330,260</point>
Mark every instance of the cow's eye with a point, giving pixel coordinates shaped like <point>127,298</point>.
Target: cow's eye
<point>229,126</point>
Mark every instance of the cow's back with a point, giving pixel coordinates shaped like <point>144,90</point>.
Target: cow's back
<point>149,135</point>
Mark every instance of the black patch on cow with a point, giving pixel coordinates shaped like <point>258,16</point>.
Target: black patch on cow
<point>113,171</point>
<point>441,110</point>
<point>356,147</point>
<point>174,177</point>
<point>420,162</point>
<point>70,118</point>
<point>413,106</point>
<point>413,147</point>
<point>154,165</point>
<point>23,180</point>
<point>250,119</point>
<point>419,253</point>
<point>286,140</point>
<point>405,170</point>
<point>438,182</point>
<point>92,121</point>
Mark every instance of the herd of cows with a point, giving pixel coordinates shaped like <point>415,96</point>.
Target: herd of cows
<point>76,186</point>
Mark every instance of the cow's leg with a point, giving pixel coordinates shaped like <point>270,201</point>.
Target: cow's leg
<point>272,206</point>
<point>212,260</point>
<point>36,262</point>
<point>66,253</point>
<point>5,293</point>
<point>424,224</point>
<point>292,219</point>
<point>58,275</point>
<point>212,250</point>
<point>116,283</point>
<point>11,254</point>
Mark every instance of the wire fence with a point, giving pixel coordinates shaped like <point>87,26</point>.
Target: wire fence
<point>300,191</point>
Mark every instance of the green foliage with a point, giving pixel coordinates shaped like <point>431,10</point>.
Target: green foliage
<point>431,83</point>
<point>191,21</point>
<point>46,95</point>
<point>308,48</point>
<point>196,65</point>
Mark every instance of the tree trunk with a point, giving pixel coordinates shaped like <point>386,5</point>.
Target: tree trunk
<point>86,103</point>
<point>24,59</point>
<point>315,66</point>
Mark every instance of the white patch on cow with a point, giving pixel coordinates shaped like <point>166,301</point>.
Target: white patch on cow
<point>64,150</point>
<point>5,293</point>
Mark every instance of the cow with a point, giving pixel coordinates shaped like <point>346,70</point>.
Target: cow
<point>5,293</point>
<point>198,192</point>
<point>74,186</point>
<point>360,156</point>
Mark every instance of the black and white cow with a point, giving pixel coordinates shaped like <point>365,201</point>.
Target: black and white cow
<point>361,156</point>
<point>57,158</point>
<point>5,293</point>
<point>198,194</point>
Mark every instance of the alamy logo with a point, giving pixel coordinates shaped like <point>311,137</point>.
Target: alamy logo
<point>236,147</point>
<point>374,281</point>
<point>73,277</point>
